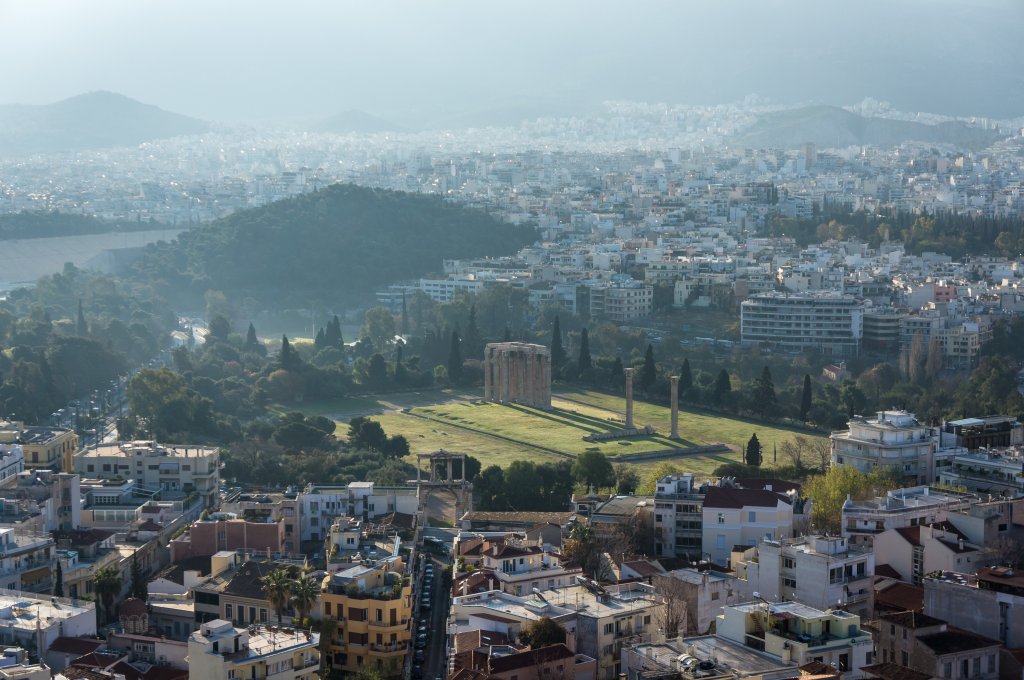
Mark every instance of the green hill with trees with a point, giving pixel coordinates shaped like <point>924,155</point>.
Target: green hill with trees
<point>335,245</point>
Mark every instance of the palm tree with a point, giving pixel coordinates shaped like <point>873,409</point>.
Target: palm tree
<point>304,594</point>
<point>327,629</point>
<point>107,586</point>
<point>277,587</point>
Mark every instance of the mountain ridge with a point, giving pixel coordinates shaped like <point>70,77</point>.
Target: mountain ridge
<point>91,120</point>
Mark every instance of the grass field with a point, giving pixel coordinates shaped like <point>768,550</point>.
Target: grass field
<point>498,435</point>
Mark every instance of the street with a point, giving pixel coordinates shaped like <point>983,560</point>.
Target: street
<point>434,664</point>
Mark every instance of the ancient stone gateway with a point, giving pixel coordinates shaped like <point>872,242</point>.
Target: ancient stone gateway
<point>517,372</point>
<point>445,482</point>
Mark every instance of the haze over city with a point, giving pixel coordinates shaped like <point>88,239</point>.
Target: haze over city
<point>423,64</point>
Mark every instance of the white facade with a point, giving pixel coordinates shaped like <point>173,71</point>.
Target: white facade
<point>36,621</point>
<point>893,442</point>
<point>830,322</point>
<point>742,517</point>
<point>820,571</point>
<point>320,505</point>
<point>863,520</point>
<point>678,517</point>
<point>12,461</point>
<point>219,651</point>
<point>182,469</point>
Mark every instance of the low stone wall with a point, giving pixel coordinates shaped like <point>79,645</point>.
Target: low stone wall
<point>644,431</point>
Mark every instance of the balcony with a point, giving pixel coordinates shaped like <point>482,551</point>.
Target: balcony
<point>392,627</point>
<point>389,648</point>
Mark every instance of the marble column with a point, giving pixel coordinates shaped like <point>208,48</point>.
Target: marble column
<point>675,407</point>
<point>487,374</point>
<point>629,398</point>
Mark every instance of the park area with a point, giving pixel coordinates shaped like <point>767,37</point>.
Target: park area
<point>498,434</point>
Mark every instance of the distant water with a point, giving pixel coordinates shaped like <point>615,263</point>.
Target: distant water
<point>24,261</point>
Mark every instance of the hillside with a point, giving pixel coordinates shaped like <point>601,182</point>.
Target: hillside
<point>335,246</point>
<point>830,126</point>
<point>89,121</point>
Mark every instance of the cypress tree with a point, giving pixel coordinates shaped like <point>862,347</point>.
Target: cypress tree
<point>455,359</point>
<point>287,359</point>
<point>723,386</point>
<point>557,351</point>
<point>764,393</point>
<point>81,327</point>
<point>685,378</point>
<point>584,365</point>
<point>399,366</point>
<point>472,340</point>
<point>649,373</point>
<point>405,316</point>
<point>58,581</point>
<point>805,398</point>
<point>251,341</point>
<point>319,341</point>
<point>507,337</point>
<point>752,454</point>
<point>138,585</point>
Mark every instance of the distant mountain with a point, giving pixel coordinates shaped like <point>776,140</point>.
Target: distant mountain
<point>336,245</point>
<point>355,121</point>
<point>830,126</point>
<point>89,121</point>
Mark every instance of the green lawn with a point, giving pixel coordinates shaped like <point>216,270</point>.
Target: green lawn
<point>702,428</point>
<point>497,434</point>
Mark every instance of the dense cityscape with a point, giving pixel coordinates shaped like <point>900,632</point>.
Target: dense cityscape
<point>607,389</point>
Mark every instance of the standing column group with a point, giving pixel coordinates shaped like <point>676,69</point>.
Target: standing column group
<point>629,398</point>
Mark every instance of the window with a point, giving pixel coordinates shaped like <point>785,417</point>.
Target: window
<point>227,612</point>
<point>991,663</point>
<point>327,608</point>
<point>947,669</point>
<point>720,541</point>
<point>714,596</point>
<point>903,658</point>
<point>789,582</point>
<point>788,562</point>
<point>263,615</point>
<point>752,516</point>
<point>721,518</point>
<point>609,628</point>
<point>977,665</point>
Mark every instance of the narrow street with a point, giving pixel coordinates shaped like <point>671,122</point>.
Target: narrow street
<point>434,664</point>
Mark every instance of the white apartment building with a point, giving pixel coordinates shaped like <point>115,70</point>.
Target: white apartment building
<point>863,520</point>
<point>621,303</point>
<point>519,568</point>
<point>220,651</point>
<point>319,504</point>
<point>26,560</point>
<point>36,621</point>
<point>446,290</point>
<point>924,549</point>
<point>12,462</point>
<point>830,322</point>
<point>893,442</point>
<point>819,571</point>
<point>742,517</point>
<point>678,517</point>
<point>998,472</point>
<point>796,633</point>
<point>180,470</point>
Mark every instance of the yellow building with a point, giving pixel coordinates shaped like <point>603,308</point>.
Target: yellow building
<point>49,448</point>
<point>371,603</point>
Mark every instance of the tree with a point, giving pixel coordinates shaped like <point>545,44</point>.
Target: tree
<point>107,586</point>
<point>584,365</point>
<point>288,359</point>
<point>557,351</point>
<point>81,327</point>
<point>332,334</point>
<point>593,469</point>
<point>752,454</point>
<point>649,372</point>
<point>58,580</point>
<point>627,479</point>
<point>277,590</point>
<point>685,378</point>
<point>674,619</point>
<point>251,341</point>
<point>139,587</point>
<point>830,490</point>
<point>304,592</point>
<point>544,632</point>
<point>805,398</point>
<point>764,394</point>
<point>455,359</point>
<point>220,328</point>
<point>378,327</point>
<point>723,388</point>
<point>328,629</point>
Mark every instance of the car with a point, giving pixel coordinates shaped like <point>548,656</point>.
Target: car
<point>417,671</point>
<point>419,655</point>
<point>421,641</point>
<point>425,604</point>
<point>422,630</point>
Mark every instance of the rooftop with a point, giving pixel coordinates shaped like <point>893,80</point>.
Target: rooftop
<point>25,610</point>
<point>148,448</point>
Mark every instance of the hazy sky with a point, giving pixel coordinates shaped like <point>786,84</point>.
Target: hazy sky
<point>246,59</point>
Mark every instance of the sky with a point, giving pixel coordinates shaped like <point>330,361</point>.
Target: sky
<point>431,59</point>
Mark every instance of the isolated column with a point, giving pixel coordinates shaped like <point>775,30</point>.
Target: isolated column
<point>629,398</point>
<point>675,407</point>
<point>487,374</point>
